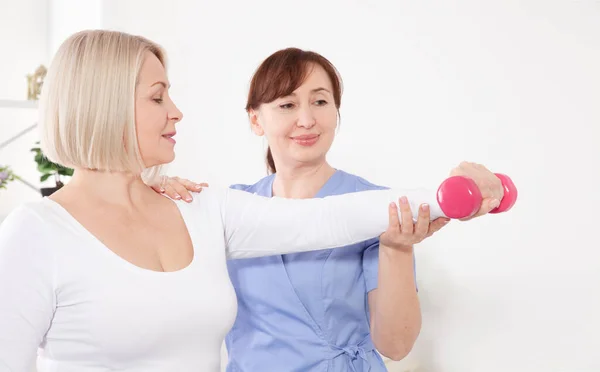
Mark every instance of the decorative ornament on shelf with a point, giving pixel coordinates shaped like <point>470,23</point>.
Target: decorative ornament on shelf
<point>34,89</point>
<point>35,82</point>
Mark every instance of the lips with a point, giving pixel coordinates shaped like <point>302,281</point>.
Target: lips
<point>169,137</point>
<point>306,139</point>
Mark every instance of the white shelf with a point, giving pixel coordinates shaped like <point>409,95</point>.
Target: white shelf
<point>7,103</point>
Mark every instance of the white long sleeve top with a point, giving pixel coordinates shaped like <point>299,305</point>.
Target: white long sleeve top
<point>79,307</point>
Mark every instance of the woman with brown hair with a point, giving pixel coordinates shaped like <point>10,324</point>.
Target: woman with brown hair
<point>326,310</point>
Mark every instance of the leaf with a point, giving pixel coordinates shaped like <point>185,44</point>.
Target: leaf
<point>65,171</point>
<point>48,168</point>
<point>44,167</point>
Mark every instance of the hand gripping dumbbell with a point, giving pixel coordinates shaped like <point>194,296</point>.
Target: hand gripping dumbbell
<point>459,197</point>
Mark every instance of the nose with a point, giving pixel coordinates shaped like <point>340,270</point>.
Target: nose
<point>306,118</point>
<point>174,113</point>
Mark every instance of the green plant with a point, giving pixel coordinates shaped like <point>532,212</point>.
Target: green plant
<point>48,168</point>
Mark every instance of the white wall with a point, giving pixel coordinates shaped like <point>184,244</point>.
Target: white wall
<point>24,46</point>
<point>513,85</point>
<point>23,26</point>
<point>66,17</point>
<point>32,31</point>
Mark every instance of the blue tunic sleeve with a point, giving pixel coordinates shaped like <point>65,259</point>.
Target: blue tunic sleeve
<point>371,253</point>
<point>371,263</point>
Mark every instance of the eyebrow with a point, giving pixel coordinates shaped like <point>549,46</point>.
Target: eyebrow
<point>316,90</point>
<point>161,83</point>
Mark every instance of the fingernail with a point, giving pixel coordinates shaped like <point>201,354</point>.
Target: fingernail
<point>177,196</point>
<point>424,207</point>
<point>188,199</point>
<point>198,186</point>
<point>495,203</point>
<point>162,190</point>
<point>446,220</point>
<point>403,200</point>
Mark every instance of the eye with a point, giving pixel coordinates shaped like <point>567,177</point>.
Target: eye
<point>158,100</point>
<point>286,106</point>
<point>321,102</point>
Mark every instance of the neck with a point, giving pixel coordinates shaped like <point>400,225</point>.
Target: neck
<point>115,188</point>
<point>301,182</point>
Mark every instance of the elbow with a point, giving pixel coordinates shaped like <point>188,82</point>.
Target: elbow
<point>396,346</point>
<point>395,352</point>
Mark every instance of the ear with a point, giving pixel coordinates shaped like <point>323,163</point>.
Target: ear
<point>254,123</point>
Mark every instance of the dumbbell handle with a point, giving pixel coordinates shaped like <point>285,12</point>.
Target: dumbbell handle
<point>459,197</point>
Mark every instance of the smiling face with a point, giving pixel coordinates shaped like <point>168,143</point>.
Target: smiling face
<point>155,114</point>
<point>300,127</point>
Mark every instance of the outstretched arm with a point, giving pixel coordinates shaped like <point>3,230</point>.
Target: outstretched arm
<point>260,226</point>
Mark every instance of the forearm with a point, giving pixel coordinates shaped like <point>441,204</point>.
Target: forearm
<point>396,318</point>
<point>259,226</point>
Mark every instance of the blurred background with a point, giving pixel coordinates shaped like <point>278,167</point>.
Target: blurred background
<point>514,85</point>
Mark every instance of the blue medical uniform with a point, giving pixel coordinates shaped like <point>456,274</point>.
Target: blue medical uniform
<point>306,312</point>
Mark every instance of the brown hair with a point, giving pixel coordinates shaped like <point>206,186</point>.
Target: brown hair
<point>281,74</point>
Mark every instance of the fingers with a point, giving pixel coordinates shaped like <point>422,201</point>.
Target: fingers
<point>487,182</point>
<point>179,188</point>
<point>157,188</point>
<point>436,225</point>
<point>488,205</point>
<point>394,219</point>
<point>422,225</point>
<point>498,188</point>
<point>159,185</point>
<point>491,184</point>
<point>406,216</point>
<point>189,185</point>
<point>403,231</point>
<point>170,191</point>
<point>181,191</point>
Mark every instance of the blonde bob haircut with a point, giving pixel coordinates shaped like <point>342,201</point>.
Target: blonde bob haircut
<point>87,104</point>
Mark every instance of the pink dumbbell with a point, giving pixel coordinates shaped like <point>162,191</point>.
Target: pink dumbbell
<point>459,197</point>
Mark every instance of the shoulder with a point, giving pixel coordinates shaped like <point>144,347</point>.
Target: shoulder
<point>256,187</point>
<point>242,187</point>
<point>358,183</point>
<point>216,199</point>
<point>27,217</point>
<point>210,197</point>
<point>27,231</point>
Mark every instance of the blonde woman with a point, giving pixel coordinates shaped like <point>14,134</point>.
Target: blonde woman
<point>108,275</point>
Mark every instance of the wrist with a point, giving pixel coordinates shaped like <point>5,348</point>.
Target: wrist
<point>401,251</point>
